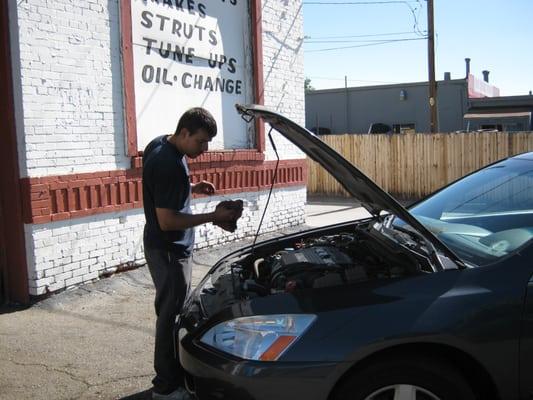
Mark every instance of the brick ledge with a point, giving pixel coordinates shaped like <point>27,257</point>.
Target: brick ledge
<point>55,198</point>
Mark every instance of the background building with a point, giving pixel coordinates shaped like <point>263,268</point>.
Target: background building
<point>86,85</point>
<point>506,113</point>
<point>402,107</point>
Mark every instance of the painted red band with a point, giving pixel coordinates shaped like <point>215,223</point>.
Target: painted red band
<point>55,198</point>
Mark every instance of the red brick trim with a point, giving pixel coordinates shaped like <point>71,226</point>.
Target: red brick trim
<point>129,86</point>
<point>259,87</point>
<point>55,198</point>
<point>206,159</point>
<point>227,156</point>
<point>13,266</point>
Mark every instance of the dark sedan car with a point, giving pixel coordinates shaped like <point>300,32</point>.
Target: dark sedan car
<point>431,303</point>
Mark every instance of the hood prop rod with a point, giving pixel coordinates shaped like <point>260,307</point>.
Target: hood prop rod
<point>270,191</point>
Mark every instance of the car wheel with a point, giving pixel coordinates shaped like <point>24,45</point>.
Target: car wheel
<point>405,379</point>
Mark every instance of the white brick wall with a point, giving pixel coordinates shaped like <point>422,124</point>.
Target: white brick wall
<point>286,208</point>
<point>68,86</point>
<point>283,68</point>
<point>71,85</point>
<point>71,82</point>
<point>66,253</point>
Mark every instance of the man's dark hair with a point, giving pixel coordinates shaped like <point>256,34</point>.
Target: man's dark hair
<point>197,118</point>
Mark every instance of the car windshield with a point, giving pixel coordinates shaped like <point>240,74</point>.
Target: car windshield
<point>486,215</point>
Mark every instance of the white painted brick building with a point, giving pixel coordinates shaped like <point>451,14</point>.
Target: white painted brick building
<point>79,181</point>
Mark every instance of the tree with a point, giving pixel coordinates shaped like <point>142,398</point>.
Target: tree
<point>307,85</point>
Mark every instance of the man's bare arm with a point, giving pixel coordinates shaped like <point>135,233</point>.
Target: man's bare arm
<point>169,220</point>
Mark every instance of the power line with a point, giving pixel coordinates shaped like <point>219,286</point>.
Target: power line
<point>356,3</point>
<point>349,41</point>
<point>349,80</point>
<point>365,45</point>
<point>414,11</point>
<point>359,36</point>
<point>416,28</point>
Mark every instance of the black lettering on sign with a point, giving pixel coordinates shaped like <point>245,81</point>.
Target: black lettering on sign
<point>157,75</point>
<point>202,10</point>
<point>232,65</point>
<point>149,43</point>
<point>166,50</point>
<point>178,28</point>
<point>162,20</point>
<point>219,60</point>
<point>190,6</point>
<point>148,73</point>
<point>232,2</point>
<point>213,38</point>
<point>200,31</point>
<point>207,83</point>
<point>146,19</point>
<point>180,51</point>
<point>184,29</point>
<point>185,80</point>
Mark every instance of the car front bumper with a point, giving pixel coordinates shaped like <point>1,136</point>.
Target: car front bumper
<point>213,376</point>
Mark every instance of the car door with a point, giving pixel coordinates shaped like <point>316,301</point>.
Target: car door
<point>526,340</point>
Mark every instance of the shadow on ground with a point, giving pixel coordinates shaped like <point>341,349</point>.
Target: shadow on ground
<point>144,395</point>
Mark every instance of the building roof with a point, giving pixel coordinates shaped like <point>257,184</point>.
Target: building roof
<point>381,87</point>
<point>502,102</point>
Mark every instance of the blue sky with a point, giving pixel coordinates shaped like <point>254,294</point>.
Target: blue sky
<point>496,34</point>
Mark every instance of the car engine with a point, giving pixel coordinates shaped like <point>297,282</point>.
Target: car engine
<point>310,263</point>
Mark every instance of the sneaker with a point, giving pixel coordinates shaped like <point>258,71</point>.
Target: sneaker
<point>178,394</point>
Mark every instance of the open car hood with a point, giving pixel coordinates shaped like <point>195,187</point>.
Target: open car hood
<point>361,187</point>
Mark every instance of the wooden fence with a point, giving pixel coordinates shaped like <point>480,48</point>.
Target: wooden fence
<point>414,165</point>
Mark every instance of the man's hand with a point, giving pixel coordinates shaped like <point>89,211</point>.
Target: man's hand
<point>227,213</point>
<point>203,187</point>
<point>227,226</point>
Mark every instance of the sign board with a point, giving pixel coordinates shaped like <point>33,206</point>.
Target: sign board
<point>190,53</point>
<point>478,88</point>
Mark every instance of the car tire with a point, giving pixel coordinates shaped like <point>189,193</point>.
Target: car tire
<point>410,379</point>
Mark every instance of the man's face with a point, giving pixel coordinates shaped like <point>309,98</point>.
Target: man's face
<point>196,143</point>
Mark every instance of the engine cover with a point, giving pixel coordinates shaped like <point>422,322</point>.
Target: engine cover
<point>315,256</point>
<point>309,267</point>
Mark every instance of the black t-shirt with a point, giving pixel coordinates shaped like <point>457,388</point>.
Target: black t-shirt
<point>166,184</point>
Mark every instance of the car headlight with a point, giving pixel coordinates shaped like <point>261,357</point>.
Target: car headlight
<point>261,337</point>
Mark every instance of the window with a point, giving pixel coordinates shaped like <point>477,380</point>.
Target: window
<point>403,128</point>
<point>486,215</point>
<point>492,127</point>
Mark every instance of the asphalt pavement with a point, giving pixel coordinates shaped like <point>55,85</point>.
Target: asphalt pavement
<point>96,341</point>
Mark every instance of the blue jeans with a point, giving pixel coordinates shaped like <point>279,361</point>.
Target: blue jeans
<point>172,280</point>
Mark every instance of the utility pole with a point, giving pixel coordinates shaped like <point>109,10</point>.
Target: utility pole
<point>346,103</point>
<point>434,126</point>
